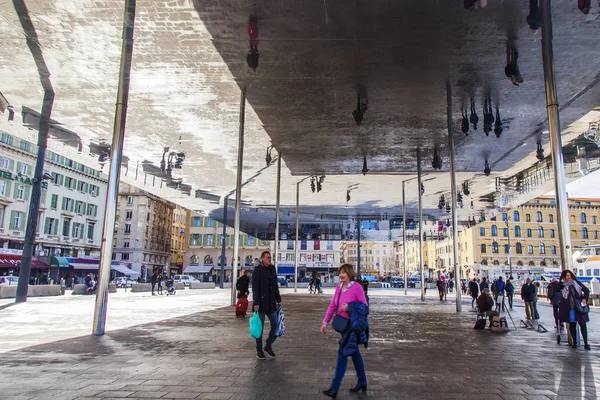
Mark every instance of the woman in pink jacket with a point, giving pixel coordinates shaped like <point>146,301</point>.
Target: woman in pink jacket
<point>346,292</point>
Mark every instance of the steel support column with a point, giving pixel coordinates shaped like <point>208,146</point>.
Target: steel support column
<point>238,198</point>
<point>358,247</point>
<point>421,257</point>
<point>296,252</point>
<point>456,249</point>
<point>404,258</point>
<point>224,243</point>
<point>562,208</point>
<point>277,199</point>
<point>108,231</point>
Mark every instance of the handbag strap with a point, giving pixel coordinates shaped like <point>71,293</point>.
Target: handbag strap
<point>337,304</point>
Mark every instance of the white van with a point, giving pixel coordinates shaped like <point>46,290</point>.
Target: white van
<point>186,279</point>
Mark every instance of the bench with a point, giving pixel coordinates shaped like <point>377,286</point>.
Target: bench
<point>7,292</point>
<point>202,285</point>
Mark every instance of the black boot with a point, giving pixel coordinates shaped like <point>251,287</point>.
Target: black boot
<point>359,387</point>
<point>330,393</point>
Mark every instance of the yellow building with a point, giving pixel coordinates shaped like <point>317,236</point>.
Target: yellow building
<point>528,234</point>
<point>376,258</point>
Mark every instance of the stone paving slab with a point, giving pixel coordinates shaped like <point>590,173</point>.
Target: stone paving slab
<point>417,350</point>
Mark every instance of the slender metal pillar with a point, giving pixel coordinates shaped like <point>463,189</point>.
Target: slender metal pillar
<point>238,198</point>
<point>46,112</point>
<point>297,253</point>
<point>456,249</point>
<point>562,207</point>
<point>421,258</point>
<point>509,249</point>
<point>358,247</point>
<point>108,231</point>
<point>224,243</point>
<point>404,258</point>
<point>277,200</point>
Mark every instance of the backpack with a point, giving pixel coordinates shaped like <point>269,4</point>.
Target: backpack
<point>551,290</point>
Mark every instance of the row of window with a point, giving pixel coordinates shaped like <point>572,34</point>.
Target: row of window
<point>518,248</point>
<point>529,232</point>
<point>150,258</point>
<point>540,217</point>
<point>76,206</point>
<point>74,184</point>
<point>69,228</point>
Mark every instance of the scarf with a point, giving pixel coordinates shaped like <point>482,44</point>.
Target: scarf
<point>567,285</point>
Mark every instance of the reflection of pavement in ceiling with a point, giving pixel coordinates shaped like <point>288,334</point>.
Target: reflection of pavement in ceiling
<point>189,64</point>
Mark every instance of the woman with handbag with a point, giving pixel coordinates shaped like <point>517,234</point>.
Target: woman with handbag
<point>348,298</point>
<point>573,307</point>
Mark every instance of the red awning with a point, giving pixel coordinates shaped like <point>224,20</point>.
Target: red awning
<point>14,261</point>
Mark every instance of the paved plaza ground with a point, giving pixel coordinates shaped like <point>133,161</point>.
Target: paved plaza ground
<point>190,346</point>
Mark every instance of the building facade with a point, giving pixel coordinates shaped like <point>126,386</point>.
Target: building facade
<point>178,238</point>
<point>71,210</point>
<point>203,247</point>
<point>143,231</point>
<point>376,258</point>
<point>315,256</point>
<point>528,235</point>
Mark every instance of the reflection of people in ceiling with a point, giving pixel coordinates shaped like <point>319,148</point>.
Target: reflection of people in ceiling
<point>465,122</point>
<point>474,117</point>
<point>252,58</point>
<point>512,66</point>
<point>584,6</point>
<point>534,18</point>
<point>488,116</point>
<point>473,4</point>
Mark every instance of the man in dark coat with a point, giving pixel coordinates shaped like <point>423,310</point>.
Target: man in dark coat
<point>267,300</point>
<point>153,280</point>
<point>554,296</point>
<point>474,290</point>
<point>528,296</point>
<point>242,285</point>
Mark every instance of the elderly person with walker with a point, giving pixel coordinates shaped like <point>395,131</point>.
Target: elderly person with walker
<point>348,312</point>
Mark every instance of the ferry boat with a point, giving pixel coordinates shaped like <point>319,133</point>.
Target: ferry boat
<point>586,262</point>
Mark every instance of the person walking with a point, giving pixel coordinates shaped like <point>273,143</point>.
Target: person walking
<point>484,284</point>
<point>536,286</point>
<point>441,286</point>
<point>554,297</point>
<point>528,294</point>
<point>574,296</point>
<point>348,307</point>
<point>510,293</point>
<point>500,290</point>
<point>242,285</point>
<point>159,280</point>
<point>153,282</point>
<point>266,300</point>
<point>474,290</point>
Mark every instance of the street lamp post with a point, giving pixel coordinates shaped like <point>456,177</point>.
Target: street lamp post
<point>509,248</point>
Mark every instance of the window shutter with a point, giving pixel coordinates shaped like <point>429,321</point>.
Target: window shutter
<point>11,164</point>
<point>72,205</point>
<point>15,190</point>
<point>95,211</point>
<point>12,220</point>
<point>55,227</point>
<point>81,227</point>
<point>61,180</point>
<point>8,184</point>
<point>27,192</point>
<point>43,196</point>
<point>46,225</point>
<point>18,166</point>
<point>73,230</point>
<point>64,203</point>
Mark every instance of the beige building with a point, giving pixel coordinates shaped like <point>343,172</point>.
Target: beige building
<point>528,234</point>
<point>179,231</point>
<point>376,258</point>
<point>203,247</point>
<point>142,240</point>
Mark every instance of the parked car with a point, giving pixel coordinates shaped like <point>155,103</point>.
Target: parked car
<point>9,280</point>
<point>123,282</point>
<point>398,282</point>
<point>186,279</point>
<point>412,282</point>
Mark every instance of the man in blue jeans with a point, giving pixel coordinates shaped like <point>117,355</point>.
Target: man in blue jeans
<point>266,300</point>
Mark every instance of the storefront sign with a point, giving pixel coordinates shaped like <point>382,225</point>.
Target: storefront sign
<point>20,178</point>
